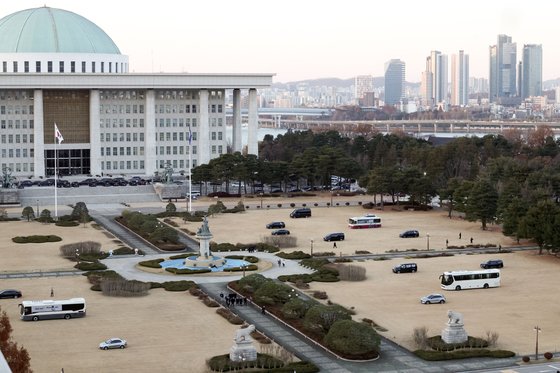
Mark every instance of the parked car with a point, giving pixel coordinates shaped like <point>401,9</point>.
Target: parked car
<point>10,293</point>
<point>112,343</point>
<point>409,234</point>
<point>432,298</point>
<point>494,263</point>
<point>276,225</point>
<point>301,213</point>
<point>406,267</point>
<point>276,190</point>
<point>338,236</point>
<point>281,232</point>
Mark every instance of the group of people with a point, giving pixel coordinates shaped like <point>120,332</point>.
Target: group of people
<point>281,263</point>
<point>232,299</point>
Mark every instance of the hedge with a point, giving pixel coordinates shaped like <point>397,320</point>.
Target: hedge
<point>250,267</point>
<point>36,239</point>
<point>153,263</point>
<point>462,354</point>
<point>90,266</point>
<point>178,285</point>
<point>187,271</point>
<point>353,339</point>
<point>248,258</point>
<point>294,255</point>
<point>66,223</point>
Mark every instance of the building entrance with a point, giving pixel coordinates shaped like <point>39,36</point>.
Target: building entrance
<point>69,162</point>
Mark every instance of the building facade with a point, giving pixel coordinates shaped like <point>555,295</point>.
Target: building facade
<point>395,71</point>
<point>531,79</point>
<point>363,84</point>
<point>435,81</point>
<point>112,121</point>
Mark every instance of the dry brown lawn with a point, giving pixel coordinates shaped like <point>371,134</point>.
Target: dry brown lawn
<point>175,331</point>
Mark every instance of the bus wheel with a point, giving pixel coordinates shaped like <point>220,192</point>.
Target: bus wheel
<point>457,287</point>
<point>486,286</point>
<point>67,317</point>
<point>35,318</point>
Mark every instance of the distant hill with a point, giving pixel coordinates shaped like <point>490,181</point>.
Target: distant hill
<point>378,81</point>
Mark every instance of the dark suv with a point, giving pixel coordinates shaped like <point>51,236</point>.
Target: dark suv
<point>495,263</point>
<point>409,234</point>
<point>407,267</point>
<point>339,236</point>
<point>301,213</point>
<point>276,225</point>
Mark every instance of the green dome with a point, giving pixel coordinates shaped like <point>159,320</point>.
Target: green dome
<point>51,30</point>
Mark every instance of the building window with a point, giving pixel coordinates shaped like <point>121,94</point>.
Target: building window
<point>213,135</point>
<point>213,149</point>
<point>219,108</point>
<point>194,108</point>
<point>213,108</point>
<point>15,67</point>
<point>219,135</point>
<point>110,67</point>
<point>102,66</point>
<point>83,66</point>
<point>49,66</point>
<point>220,149</point>
<point>72,66</point>
<point>4,66</point>
<point>26,66</point>
<point>37,66</point>
<point>61,67</point>
<point>92,66</point>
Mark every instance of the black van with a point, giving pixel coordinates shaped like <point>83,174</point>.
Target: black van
<point>407,267</point>
<point>301,213</point>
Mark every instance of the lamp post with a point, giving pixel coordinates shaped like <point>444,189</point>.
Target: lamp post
<point>427,241</point>
<point>537,331</point>
<point>261,198</point>
<point>37,208</point>
<point>244,266</point>
<point>331,197</point>
<point>312,248</point>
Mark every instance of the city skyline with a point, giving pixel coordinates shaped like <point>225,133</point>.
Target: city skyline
<point>312,39</point>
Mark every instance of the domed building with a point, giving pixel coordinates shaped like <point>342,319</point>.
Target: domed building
<point>59,68</point>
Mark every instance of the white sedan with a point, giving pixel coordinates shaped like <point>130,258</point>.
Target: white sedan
<point>432,298</point>
<point>112,343</point>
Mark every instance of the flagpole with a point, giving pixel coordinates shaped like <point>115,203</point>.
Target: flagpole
<point>190,175</point>
<point>55,178</point>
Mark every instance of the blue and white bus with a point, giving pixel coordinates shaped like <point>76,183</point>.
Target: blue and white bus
<point>52,309</point>
<point>367,221</point>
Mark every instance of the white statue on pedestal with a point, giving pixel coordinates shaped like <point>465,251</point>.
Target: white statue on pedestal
<point>243,349</point>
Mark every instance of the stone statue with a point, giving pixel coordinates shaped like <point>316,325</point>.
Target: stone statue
<point>244,335</point>
<point>7,180</point>
<point>168,173</point>
<point>243,349</point>
<point>454,331</point>
<point>454,317</point>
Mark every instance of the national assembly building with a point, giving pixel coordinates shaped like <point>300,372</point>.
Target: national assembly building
<point>58,68</point>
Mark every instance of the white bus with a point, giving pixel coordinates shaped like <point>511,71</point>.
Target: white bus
<point>457,280</point>
<point>367,221</point>
<point>52,309</point>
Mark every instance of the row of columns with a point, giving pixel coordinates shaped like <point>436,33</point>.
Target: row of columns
<point>203,155</point>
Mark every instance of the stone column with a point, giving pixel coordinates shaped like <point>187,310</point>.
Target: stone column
<point>38,134</point>
<point>203,153</point>
<point>150,133</point>
<point>236,138</point>
<point>94,132</point>
<point>253,125</point>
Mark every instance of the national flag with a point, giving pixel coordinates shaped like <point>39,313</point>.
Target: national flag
<point>57,134</point>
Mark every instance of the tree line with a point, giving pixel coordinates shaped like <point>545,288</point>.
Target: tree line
<point>512,179</point>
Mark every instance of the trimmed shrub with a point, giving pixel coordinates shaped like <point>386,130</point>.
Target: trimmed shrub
<point>294,255</point>
<point>215,247</point>
<point>314,263</point>
<point>222,363</point>
<point>325,274</point>
<point>153,263</point>
<point>84,248</point>
<point>90,266</point>
<point>296,308</point>
<point>358,252</point>
<point>343,260</point>
<point>250,267</point>
<point>124,288</point>
<point>229,316</point>
<point>436,343</point>
<point>96,277</point>
<point>180,256</point>
<point>420,337</point>
<point>271,292</point>
<point>304,277</point>
<point>126,251</point>
<point>548,355</point>
<point>319,318</point>
<point>187,271</point>
<point>65,223</point>
<point>36,239</point>
<point>324,253</point>
<point>526,359</point>
<point>463,354</point>
<point>353,339</point>
<point>170,207</point>
<point>179,285</point>
<point>348,272</point>
<point>259,337</point>
<point>280,241</point>
<point>252,282</point>
<point>317,294</point>
<point>248,258</point>
<point>208,302</point>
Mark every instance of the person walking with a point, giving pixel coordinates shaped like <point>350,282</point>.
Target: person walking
<point>334,245</point>
<point>471,239</point>
<point>459,235</point>
<point>446,243</point>
<point>52,292</point>
<point>263,310</point>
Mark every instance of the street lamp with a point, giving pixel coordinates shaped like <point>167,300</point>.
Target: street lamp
<point>312,248</point>
<point>37,208</point>
<point>261,198</point>
<point>427,241</point>
<point>537,331</point>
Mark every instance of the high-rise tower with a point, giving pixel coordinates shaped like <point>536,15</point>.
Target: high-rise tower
<point>394,81</point>
<point>435,79</point>
<point>503,61</point>
<point>460,79</point>
<point>532,71</point>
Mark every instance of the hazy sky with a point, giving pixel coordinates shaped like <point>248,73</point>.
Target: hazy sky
<point>304,39</point>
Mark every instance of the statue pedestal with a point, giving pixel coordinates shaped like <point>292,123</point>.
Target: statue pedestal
<point>454,333</point>
<point>243,351</point>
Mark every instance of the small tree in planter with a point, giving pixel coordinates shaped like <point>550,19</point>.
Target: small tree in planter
<point>548,355</point>
<point>292,205</point>
<point>304,204</point>
<point>315,204</point>
<point>347,203</point>
<point>279,205</point>
<point>526,359</point>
